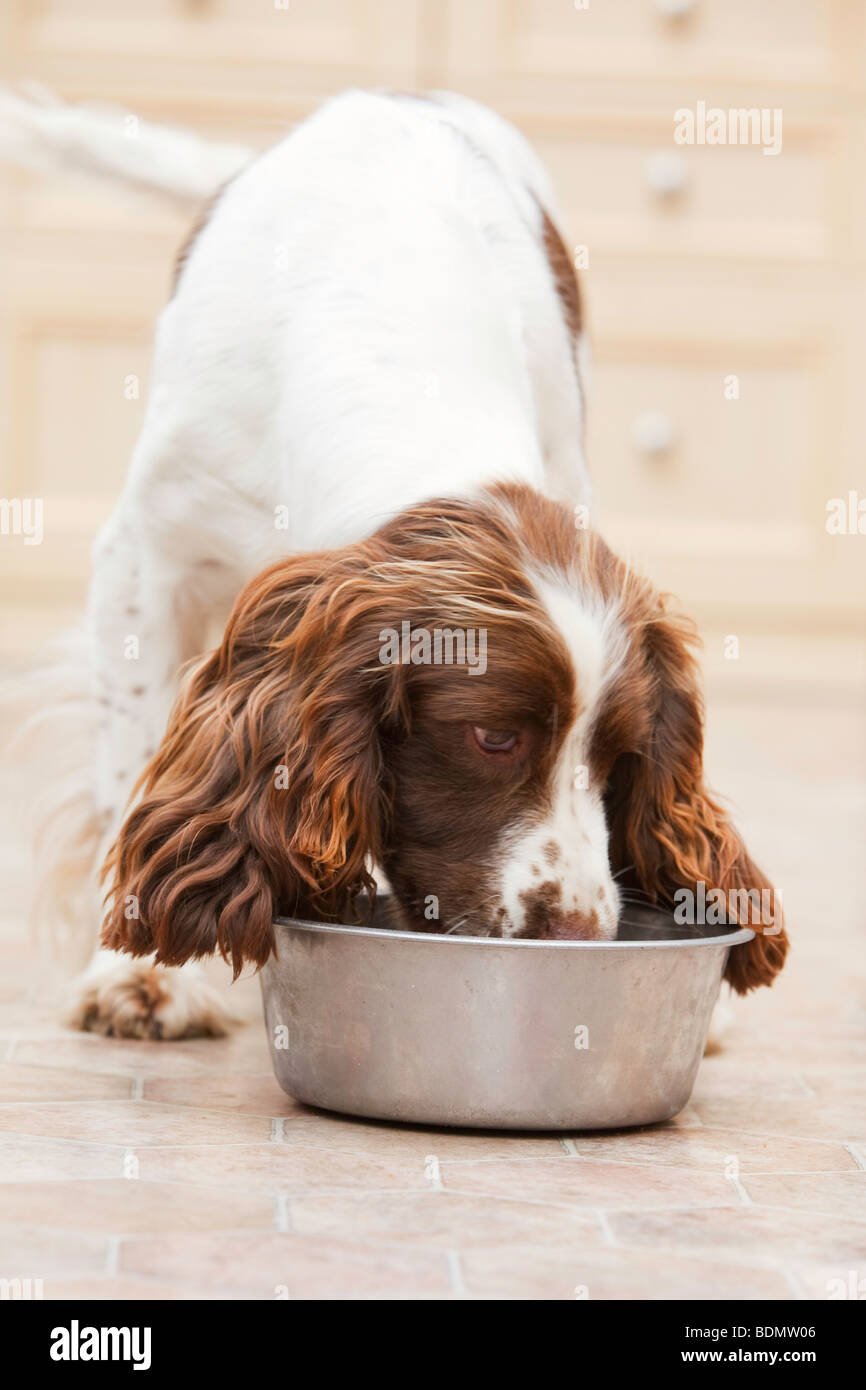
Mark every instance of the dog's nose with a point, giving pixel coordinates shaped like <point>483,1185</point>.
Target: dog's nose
<point>574,926</point>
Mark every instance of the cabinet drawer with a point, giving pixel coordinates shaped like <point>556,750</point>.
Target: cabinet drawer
<point>507,45</point>
<point>730,463</point>
<point>725,200</point>
<point>218,49</point>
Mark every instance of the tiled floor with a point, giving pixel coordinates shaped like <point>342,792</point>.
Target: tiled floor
<point>150,1170</point>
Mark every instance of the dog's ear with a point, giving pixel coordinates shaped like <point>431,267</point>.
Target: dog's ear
<point>667,832</point>
<point>266,794</point>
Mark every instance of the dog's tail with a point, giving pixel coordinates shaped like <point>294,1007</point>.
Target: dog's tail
<point>39,131</point>
<point>53,709</point>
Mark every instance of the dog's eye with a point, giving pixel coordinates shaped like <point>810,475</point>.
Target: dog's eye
<point>495,740</point>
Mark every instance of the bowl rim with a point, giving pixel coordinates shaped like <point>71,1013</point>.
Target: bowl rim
<point>734,936</point>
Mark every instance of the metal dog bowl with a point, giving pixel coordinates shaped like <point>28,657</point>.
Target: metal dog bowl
<point>498,1034</point>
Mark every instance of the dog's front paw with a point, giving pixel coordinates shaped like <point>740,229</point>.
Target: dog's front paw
<point>122,997</point>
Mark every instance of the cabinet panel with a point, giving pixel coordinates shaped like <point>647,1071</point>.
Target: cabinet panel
<point>508,44</point>
<point>217,49</point>
<point>725,201</point>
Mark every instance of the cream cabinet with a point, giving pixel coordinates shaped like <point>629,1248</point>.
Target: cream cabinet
<point>725,288</point>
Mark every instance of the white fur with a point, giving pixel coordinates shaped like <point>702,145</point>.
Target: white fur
<point>367,320</point>
<point>574,828</point>
<point>41,132</point>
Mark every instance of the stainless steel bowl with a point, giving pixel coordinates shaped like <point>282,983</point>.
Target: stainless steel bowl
<point>473,1031</point>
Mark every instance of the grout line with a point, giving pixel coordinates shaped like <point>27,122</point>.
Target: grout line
<point>858,1221</point>
<point>282,1218</point>
<point>278,1135</point>
<point>261,1142</point>
<point>106,1069</point>
<point>455,1272</point>
<point>793,1283</point>
<point>305,1194</point>
<point>65,1139</point>
<point>112,1262</point>
<point>133,1237</point>
<point>312,1193</point>
<point>171,1107</point>
<point>564,1205</point>
<point>10,1051</point>
<point>587,1160</point>
<point>182,1109</point>
<point>775,1134</point>
<point>569,1205</point>
<point>797,1172</point>
<point>226,1292</point>
<point>136,1090</point>
<point>606,1228</point>
<point>628,1210</point>
<point>764,1263</point>
<point>711,1257</point>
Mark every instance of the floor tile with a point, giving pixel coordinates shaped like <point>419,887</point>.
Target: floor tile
<point>289,1266</point>
<point>831,1194</point>
<point>19,1082</point>
<point>25,1157</point>
<point>444,1221</point>
<point>586,1183</point>
<point>134,1122</point>
<point>126,1205</point>
<point>717,1150</point>
<point>760,1235</point>
<point>277,1167</point>
<point>181,1170</point>
<point>613,1274</point>
<point>29,1252</point>
<point>254,1095</point>
<point>133,1290</point>
<point>413,1142</point>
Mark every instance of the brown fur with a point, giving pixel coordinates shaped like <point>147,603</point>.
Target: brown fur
<point>564,276</point>
<point>380,759</point>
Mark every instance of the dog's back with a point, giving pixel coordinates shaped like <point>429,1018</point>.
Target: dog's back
<point>372,297</point>
<point>368,316</point>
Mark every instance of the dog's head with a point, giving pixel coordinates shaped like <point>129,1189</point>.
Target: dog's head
<point>480,700</point>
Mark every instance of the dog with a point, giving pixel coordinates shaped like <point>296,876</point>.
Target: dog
<point>366,419</point>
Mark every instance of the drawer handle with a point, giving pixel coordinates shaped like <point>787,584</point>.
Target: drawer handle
<point>653,433</point>
<point>666,173</point>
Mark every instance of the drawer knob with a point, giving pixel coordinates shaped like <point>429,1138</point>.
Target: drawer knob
<point>653,432</point>
<point>666,173</point>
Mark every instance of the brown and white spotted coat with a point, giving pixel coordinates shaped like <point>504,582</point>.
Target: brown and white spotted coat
<point>366,409</point>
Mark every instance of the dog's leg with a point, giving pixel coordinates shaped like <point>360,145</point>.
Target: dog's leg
<point>145,619</point>
<point>126,998</point>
